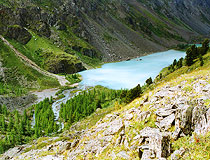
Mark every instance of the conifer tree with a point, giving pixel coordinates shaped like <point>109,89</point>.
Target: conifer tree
<point>189,57</point>
<point>205,46</point>
<point>149,81</point>
<point>201,60</point>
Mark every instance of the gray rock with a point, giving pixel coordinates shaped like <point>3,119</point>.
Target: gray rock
<point>12,152</point>
<point>123,154</point>
<point>143,115</point>
<point>163,112</point>
<point>206,88</point>
<point>74,143</point>
<point>166,123</point>
<point>177,154</point>
<point>177,131</point>
<point>128,116</point>
<point>114,127</point>
<point>158,143</point>
<point>184,117</point>
<point>199,120</point>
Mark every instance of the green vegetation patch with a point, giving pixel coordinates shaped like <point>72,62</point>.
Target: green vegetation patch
<point>16,129</point>
<point>45,54</point>
<point>19,77</point>
<point>74,78</point>
<point>86,103</point>
<point>197,147</point>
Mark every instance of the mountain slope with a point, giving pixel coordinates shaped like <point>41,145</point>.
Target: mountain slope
<point>31,64</point>
<point>170,120</point>
<point>111,30</point>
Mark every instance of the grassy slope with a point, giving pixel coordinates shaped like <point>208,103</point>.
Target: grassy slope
<point>37,48</point>
<point>196,150</point>
<point>195,67</point>
<point>33,79</point>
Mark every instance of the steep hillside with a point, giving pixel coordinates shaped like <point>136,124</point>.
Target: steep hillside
<point>107,30</point>
<point>17,78</point>
<point>171,121</point>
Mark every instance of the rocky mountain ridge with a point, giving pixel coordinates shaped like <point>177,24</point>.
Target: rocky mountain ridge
<point>147,128</point>
<point>111,30</point>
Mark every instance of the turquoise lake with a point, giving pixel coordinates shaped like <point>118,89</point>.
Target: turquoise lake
<point>127,74</point>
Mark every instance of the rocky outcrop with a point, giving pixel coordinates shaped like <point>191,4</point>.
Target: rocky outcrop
<point>62,63</point>
<point>19,34</point>
<point>157,144</point>
<point>17,103</point>
<point>43,29</point>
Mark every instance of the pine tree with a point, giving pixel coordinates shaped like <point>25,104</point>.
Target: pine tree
<point>201,60</point>
<point>133,93</point>
<point>179,63</point>
<point>194,51</point>
<point>1,109</point>
<point>149,81</point>
<point>175,62</point>
<point>11,123</point>
<point>160,75</point>
<point>189,57</point>
<point>205,46</point>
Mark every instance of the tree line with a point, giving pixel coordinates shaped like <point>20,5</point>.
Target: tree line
<point>86,102</point>
<point>16,129</point>
<point>194,52</point>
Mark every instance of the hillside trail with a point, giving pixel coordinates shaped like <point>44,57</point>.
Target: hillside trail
<point>62,80</point>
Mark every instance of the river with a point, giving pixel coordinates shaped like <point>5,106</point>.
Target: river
<point>127,74</point>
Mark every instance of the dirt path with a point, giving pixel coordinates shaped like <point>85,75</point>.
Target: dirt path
<point>31,64</point>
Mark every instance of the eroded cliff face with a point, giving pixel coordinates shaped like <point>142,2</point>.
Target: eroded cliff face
<point>194,14</point>
<point>111,30</point>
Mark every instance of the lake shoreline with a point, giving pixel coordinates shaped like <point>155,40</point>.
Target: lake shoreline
<point>118,75</point>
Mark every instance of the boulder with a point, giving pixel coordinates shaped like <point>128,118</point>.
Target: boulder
<point>164,93</point>
<point>166,123</point>
<point>199,121</point>
<point>157,144</point>
<point>114,127</point>
<point>61,63</point>
<point>12,152</point>
<point>206,88</point>
<point>143,115</point>
<point>19,34</point>
<point>89,52</point>
<point>184,118</point>
<point>164,112</point>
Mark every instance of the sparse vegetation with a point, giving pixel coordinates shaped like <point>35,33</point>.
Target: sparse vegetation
<point>74,78</point>
<point>196,148</point>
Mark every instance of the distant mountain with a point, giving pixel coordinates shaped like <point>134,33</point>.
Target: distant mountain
<point>109,30</point>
